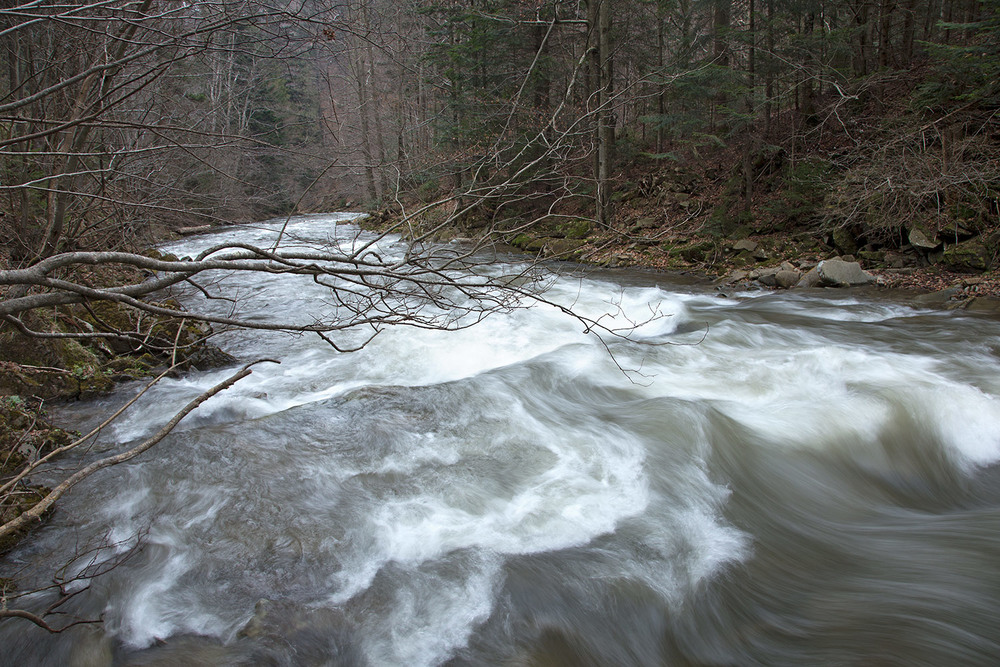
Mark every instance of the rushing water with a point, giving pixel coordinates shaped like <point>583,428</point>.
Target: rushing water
<point>792,479</point>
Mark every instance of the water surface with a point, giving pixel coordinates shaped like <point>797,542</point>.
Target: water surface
<point>774,479</point>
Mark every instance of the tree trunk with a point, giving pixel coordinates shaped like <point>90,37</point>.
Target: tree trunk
<point>605,115</point>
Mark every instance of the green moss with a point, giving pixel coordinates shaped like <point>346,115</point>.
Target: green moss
<point>698,251</point>
<point>15,504</point>
<point>95,384</point>
<point>874,257</point>
<point>578,229</point>
<point>534,245</point>
<point>24,435</point>
<point>967,256</point>
<point>521,240</point>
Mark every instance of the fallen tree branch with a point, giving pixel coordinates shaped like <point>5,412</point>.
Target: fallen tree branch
<point>42,506</point>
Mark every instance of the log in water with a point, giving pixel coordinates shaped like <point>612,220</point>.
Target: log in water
<point>789,479</point>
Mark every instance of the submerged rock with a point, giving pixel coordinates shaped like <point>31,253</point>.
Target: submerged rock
<point>316,636</point>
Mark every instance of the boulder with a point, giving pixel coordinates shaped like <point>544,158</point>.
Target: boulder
<point>967,256</point>
<point>733,277</point>
<point>697,252</point>
<point>577,229</point>
<point>745,245</point>
<point>563,247</point>
<point>535,245</point>
<point>836,273</point>
<point>844,241</point>
<point>810,279</point>
<point>922,239</point>
<point>786,279</point>
<point>939,299</point>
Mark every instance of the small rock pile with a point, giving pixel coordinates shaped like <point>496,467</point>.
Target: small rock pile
<point>836,272</point>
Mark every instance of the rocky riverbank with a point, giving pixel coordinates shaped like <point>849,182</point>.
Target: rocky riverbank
<point>923,285</point>
<point>776,261</point>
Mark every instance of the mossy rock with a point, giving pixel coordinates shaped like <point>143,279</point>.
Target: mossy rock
<point>744,259</point>
<point>578,229</point>
<point>45,383</point>
<point>844,241</point>
<point>697,252</point>
<point>20,503</point>
<point>95,384</point>
<point>129,368</point>
<point>740,232</point>
<point>24,435</point>
<point>876,257</point>
<point>967,256</point>
<point>153,253</point>
<point>521,240</point>
<point>535,245</point>
<point>992,243</point>
<point>50,352</point>
<point>565,248</point>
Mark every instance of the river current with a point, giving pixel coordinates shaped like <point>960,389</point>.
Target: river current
<point>799,478</point>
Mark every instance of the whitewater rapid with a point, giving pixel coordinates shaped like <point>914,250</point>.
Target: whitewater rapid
<point>759,478</point>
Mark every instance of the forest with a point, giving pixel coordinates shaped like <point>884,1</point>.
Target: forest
<point>695,135</point>
<point>124,120</point>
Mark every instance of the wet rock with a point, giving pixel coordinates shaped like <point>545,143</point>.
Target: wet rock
<point>319,636</point>
<point>564,248</point>
<point>734,277</point>
<point>939,299</point>
<point>190,650</point>
<point>93,648</point>
<point>985,305</point>
<point>786,279</point>
<point>836,273</point>
<point>535,245</point>
<point>205,356</point>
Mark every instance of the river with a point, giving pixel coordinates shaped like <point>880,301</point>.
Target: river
<point>797,478</point>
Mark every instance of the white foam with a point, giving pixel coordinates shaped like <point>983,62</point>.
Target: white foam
<point>531,471</point>
<point>432,616</point>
